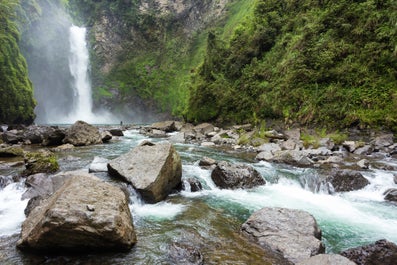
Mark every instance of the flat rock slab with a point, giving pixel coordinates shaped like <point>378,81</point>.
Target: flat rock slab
<point>84,214</point>
<point>154,170</point>
<point>292,233</point>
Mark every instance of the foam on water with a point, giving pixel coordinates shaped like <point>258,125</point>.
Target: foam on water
<point>159,211</point>
<point>357,216</point>
<point>11,209</point>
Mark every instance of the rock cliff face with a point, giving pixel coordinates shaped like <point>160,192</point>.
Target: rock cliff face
<point>113,33</point>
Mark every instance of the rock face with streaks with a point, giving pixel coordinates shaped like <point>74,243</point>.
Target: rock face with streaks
<point>84,214</point>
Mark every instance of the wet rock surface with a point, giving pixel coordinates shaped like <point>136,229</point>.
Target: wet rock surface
<point>293,233</point>
<point>82,133</point>
<point>153,169</point>
<point>84,214</point>
<point>347,180</point>
<point>381,252</point>
<point>236,176</point>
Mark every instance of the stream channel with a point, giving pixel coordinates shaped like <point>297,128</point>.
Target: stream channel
<point>210,219</point>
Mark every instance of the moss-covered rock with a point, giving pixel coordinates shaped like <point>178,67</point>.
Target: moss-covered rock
<point>11,151</point>
<point>40,162</point>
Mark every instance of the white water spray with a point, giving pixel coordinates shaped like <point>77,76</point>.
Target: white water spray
<point>78,66</point>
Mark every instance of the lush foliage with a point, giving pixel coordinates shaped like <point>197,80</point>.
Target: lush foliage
<point>332,63</point>
<point>16,102</point>
<point>158,57</point>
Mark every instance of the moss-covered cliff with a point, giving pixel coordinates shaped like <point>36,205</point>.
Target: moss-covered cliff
<point>16,101</point>
<point>330,63</point>
<point>144,51</point>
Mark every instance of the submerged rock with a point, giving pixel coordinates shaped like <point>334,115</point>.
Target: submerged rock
<point>236,176</point>
<point>327,259</point>
<point>153,170</point>
<point>292,233</point>
<point>192,185</point>
<point>85,214</point>
<point>347,180</point>
<point>5,180</point>
<point>185,254</point>
<point>381,252</point>
<point>82,133</point>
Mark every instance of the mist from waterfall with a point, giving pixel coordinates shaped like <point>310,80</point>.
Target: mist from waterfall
<point>79,67</point>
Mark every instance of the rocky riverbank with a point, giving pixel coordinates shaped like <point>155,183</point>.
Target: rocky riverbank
<point>342,164</point>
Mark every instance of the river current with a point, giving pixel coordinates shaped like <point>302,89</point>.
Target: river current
<point>210,219</point>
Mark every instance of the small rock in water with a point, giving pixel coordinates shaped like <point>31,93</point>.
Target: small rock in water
<point>192,185</point>
<point>363,163</point>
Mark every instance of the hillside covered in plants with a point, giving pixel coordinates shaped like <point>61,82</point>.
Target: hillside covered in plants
<point>16,100</point>
<point>312,62</point>
<point>330,63</point>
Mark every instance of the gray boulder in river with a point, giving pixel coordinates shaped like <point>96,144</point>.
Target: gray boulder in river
<point>82,133</point>
<point>236,176</point>
<point>154,170</point>
<point>347,180</point>
<point>292,233</point>
<point>84,214</point>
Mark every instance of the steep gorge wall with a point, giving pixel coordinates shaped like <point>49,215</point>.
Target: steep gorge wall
<point>142,52</point>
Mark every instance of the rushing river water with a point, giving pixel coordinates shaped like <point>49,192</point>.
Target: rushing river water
<point>210,219</point>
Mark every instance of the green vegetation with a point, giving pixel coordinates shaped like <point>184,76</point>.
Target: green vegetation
<point>158,58</point>
<point>16,103</point>
<point>330,63</point>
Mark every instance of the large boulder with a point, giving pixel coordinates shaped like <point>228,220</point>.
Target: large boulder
<point>53,135</point>
<point>292,233</point>
<point>381,252</point>
<point>166,126</point>
<point>347,180</point>
<point>84,214</point>
<point>327,259</point>
<point>82,133</point>
<point>12,137</point>
<point>236,176</point>
<point>154,170</point>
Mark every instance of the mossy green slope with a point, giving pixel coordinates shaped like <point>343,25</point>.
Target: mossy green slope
<point>331,63</point>
<point>16,101</point>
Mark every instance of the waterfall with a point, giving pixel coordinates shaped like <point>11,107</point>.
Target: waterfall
<point>78,65</point>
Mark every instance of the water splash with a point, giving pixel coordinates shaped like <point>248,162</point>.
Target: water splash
<point>11,209</point>
<point>79,66</point>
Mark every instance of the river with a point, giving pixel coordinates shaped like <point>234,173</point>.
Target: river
<point>210,219</point>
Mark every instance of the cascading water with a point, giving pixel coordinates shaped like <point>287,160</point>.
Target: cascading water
<point>78,66</point>
<point>214,215</point>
